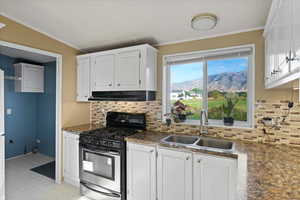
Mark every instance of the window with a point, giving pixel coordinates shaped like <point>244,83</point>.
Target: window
<point>208,81</point>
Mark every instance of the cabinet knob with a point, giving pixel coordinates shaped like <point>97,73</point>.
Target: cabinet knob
<point>119,84</point>
<point>199,161</point>
<point>151,151</point>
<point>109,84</point>
<point>187,158</point>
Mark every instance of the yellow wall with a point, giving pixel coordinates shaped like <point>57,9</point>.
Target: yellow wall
<point>73,113</point>
<point>253,37</point>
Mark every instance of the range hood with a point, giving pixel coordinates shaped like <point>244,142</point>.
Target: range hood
<point>122,96</point>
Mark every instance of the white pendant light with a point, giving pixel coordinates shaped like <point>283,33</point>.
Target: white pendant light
<point>204,22</point>
<point>2,25</point>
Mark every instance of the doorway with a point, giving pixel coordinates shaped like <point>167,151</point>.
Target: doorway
<point>32,119</point>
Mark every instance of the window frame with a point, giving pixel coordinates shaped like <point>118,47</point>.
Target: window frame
<point>199,55</point>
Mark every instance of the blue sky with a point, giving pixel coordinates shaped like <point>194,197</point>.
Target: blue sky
<point>193,71</point>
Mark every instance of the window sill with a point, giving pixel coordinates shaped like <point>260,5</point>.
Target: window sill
<point>196,123</point>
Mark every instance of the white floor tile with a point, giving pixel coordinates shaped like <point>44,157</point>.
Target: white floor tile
<point>23,184</point>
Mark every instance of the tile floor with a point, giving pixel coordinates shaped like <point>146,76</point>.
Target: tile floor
<point>23,184</point>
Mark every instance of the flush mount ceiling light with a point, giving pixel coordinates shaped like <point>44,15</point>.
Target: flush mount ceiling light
<point>2,25</point>
<point>204,22</point>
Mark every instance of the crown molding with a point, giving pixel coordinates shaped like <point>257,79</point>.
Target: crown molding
<point>211,36</point>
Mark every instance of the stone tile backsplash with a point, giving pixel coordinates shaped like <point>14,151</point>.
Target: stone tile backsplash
<point>288,132</point>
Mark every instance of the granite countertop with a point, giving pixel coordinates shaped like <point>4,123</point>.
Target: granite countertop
<point>265,172</point>
<point>82,128</point>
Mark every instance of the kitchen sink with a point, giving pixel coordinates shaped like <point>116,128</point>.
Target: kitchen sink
<point>180,139</point>
<point>215,143</point>
<point>198,142</point>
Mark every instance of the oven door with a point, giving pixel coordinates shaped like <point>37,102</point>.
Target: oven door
<point>100,167</point>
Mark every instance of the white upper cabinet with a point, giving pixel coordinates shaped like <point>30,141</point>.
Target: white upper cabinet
<point>141,172</point>
<point>83,79</point>
<point>102,72</point>
<point>30,78</point>
<point>295,34</point>
<point>214,178</point>
<point>282,43</point>
<point>174,175</point>
<point>127,70</point>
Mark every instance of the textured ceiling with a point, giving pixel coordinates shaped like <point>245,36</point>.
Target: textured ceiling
<point>88,24</point>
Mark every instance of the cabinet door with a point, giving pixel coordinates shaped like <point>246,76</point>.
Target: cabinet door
<point>71,158</point>
<point>268,59</point>
<point>282,31</point>
<point>174,174</point>
<point>295,65</point>
<point>32,78</point>
<point>102,72</point>
<point>214,178</point>
<point>141,172</point>
<point>83,79</point>
<point>127,70</point>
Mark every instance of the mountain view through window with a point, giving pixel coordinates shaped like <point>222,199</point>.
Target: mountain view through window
<point>224,77</point>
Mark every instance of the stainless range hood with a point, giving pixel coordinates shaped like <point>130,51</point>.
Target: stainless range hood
<point>123,96</point>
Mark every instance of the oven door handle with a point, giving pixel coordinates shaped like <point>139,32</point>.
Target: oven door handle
<point>102,152</point>
<point>111,194</point>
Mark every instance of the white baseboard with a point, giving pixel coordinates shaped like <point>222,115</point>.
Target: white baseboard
<point>20,156</point>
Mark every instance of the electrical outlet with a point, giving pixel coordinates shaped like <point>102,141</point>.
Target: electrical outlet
<point>158,115</point>
<point>8,111</point>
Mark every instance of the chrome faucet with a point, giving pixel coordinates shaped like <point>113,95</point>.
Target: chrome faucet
<point>203,122</point>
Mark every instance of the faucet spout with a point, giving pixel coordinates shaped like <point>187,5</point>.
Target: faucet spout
<point>203,122</point>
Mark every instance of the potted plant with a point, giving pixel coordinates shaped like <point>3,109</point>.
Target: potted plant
<point>228,107</point>
<point>180,111</point>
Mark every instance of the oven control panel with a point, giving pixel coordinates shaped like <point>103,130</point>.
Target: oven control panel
<point>100,141</point>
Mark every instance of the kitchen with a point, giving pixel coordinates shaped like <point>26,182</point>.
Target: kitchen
<point>209,118</point>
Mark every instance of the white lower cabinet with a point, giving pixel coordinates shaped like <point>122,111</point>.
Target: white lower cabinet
<point>214,177</point>
<point>71,158</point>
<point>141,172</point>
<point>174,175</point>
<point>180,175</point>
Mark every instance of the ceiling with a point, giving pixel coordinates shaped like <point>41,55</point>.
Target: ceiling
<point>26,55</point>
<point>91,24</point>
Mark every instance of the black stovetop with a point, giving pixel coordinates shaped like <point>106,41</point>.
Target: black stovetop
<point>119,126</point>
<point>111,133</point>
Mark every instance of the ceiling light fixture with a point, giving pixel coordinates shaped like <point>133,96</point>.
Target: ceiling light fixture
<point>204,22</point>
<point>2,25</point>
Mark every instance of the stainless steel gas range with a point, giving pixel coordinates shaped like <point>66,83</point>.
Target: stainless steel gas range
<point>102,156</point>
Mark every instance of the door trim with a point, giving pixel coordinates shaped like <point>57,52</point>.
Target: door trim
<point>58,114</point>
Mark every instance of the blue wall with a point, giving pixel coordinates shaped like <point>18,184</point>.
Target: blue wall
<point>31,112</point>
<point>46,112</point>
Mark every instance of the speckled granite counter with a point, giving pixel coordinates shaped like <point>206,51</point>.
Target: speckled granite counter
<point>82,128</point>
<point>266,172</point>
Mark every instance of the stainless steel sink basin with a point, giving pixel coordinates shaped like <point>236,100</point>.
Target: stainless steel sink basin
<point>180,139</point>
<point>215,143</point>
<point>197,142</point>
